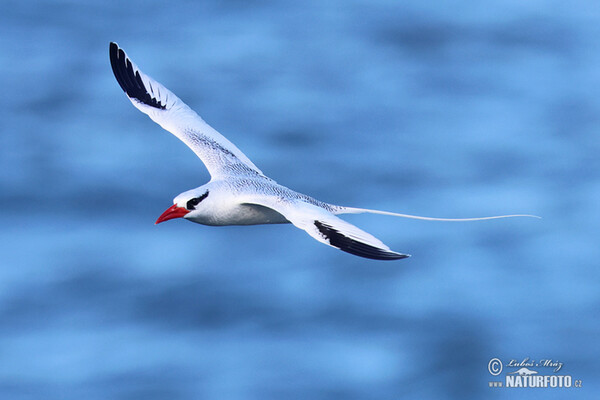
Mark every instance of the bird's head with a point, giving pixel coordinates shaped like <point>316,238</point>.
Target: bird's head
<point>186,205</point>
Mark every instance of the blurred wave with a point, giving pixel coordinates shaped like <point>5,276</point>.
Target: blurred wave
<point>470,110</point>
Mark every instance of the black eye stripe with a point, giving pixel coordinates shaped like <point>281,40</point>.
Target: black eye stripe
<point>192,203</point>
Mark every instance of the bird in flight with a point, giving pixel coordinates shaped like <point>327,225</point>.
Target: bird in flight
<point>239,193</point>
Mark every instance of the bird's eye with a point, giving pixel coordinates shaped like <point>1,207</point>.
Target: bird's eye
<point>192,203</point>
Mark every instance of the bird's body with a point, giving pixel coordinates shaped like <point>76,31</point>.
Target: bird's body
<point>233,202</point>
<point>238,192</point>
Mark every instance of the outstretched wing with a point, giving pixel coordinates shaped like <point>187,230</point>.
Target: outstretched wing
<point>331,230</point>
<point>221,157</point>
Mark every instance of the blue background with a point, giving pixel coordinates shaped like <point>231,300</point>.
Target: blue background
<point>449,109</point>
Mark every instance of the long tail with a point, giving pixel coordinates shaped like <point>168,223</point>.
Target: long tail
<point>353,210</point>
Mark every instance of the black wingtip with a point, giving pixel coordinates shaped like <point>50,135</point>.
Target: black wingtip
<point>130,80</point>
<point>355,247</point>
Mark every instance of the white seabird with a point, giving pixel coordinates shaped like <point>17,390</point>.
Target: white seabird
<point>238,192</point>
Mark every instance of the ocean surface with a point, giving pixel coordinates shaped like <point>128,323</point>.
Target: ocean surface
<point>447,109</point>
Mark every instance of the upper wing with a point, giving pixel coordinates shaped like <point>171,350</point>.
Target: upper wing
<point>221,157</point>
<point>331,230</point>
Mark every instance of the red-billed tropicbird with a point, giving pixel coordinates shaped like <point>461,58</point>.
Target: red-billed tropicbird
<point>238,193</point>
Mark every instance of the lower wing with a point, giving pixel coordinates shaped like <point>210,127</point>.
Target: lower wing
<point>331,230</point>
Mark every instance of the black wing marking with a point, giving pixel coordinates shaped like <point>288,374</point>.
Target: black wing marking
<point>355,247</point>
<point>130,80</point>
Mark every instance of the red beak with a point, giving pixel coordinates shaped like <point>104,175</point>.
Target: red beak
<point>172,212</point>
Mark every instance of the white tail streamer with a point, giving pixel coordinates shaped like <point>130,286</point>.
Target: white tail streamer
<point>353,210</point>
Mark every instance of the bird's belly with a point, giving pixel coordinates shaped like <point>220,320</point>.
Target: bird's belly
<point>243,214</point>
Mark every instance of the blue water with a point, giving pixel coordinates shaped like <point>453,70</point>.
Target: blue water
<point>451,110</point>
